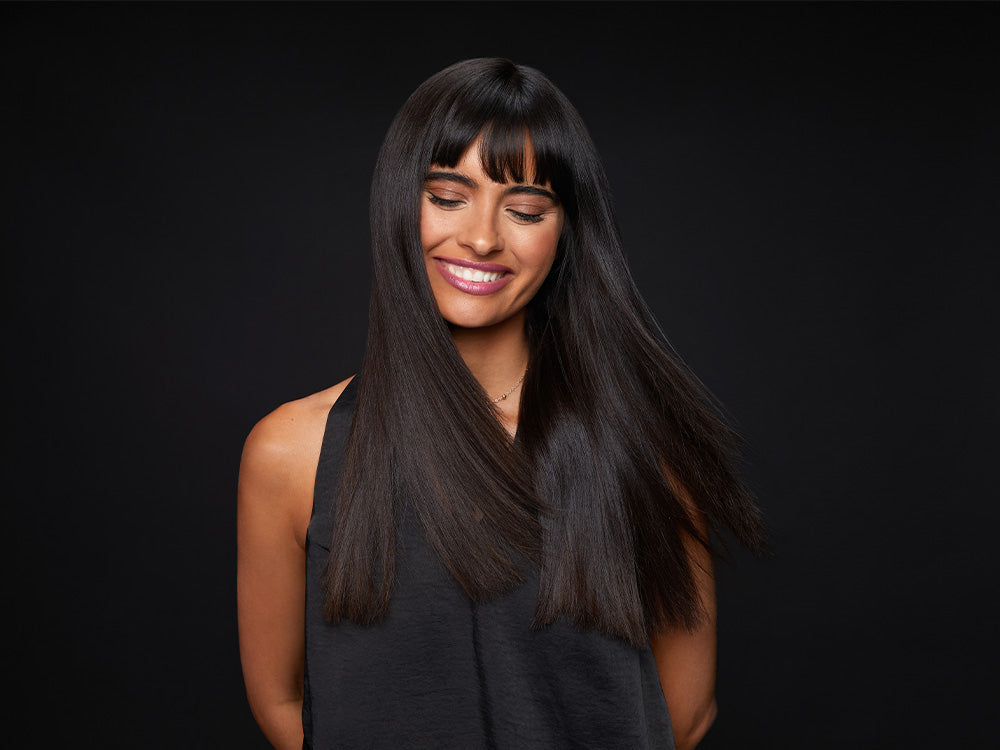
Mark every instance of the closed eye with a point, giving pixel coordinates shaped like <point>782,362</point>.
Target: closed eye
<point>528,218</point>
<point>443,202</point>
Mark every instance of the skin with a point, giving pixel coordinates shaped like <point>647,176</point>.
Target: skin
<point>274,502</point>
<point>465,216</point>
<point>686,660</point>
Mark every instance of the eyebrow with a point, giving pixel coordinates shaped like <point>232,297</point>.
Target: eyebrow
<point>468,182</point>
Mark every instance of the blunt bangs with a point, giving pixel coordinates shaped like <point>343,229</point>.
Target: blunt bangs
<point>522,125</point>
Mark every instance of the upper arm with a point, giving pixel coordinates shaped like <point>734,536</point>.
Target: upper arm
<point>686,660</point>
<point>270,578</point>
<point>274,503</point>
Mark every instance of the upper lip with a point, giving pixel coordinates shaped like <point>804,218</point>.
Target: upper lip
<point>488,267</point>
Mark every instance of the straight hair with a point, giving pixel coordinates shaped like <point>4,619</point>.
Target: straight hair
<point>621,453</point>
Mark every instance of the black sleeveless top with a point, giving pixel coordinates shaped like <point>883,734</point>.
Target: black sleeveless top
<point>443,672</point>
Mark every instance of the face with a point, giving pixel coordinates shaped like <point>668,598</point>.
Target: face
<point>488,246</point>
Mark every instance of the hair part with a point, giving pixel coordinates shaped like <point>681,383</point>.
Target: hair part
<point>607,407</point>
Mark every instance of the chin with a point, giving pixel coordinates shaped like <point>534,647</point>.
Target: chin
<point>468,321</point>
<point>465,318</point>
<point>476,315</point>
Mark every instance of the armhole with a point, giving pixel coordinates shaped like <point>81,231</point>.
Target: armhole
<point>331,456</point>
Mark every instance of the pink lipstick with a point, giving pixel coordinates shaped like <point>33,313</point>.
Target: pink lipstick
<point>473,277</point>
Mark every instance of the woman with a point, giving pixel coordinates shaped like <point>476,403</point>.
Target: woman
<point>497,534</point>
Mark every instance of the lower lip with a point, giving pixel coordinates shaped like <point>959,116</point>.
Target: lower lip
<point>473,287</point>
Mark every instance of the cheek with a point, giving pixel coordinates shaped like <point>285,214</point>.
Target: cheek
<point>542,250</point>
<point>435,228</point>
<point>428,231</point>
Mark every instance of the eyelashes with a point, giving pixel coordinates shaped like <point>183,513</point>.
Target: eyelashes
<point>519,215</point>
<point>530,218</point>
<point>442,201</point>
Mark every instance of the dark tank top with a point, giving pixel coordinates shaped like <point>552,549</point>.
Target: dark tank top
<point>444,672</point>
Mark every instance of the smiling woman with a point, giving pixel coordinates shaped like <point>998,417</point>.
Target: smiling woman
<point>499,533</point>
<point>468,219</point>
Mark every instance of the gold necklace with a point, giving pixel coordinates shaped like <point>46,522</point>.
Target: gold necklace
<point>513,388</point>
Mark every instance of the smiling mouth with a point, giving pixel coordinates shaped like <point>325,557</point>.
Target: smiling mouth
<point>478,281</point>
<point>472,274</point>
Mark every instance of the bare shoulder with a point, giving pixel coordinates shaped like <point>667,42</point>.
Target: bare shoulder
<point>293,430</point>
<point>280,456</point>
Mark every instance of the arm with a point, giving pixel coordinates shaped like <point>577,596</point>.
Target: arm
<point>277,474</point>
<point>686,660</point>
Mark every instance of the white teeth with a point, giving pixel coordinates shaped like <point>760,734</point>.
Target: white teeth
<point>471,274</point>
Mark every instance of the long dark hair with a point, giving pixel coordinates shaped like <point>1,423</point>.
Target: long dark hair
<point>607,407</point>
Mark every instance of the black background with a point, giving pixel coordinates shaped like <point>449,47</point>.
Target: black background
<point>808,196</point>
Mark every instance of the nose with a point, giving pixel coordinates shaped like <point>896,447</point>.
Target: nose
<point>481,233</point>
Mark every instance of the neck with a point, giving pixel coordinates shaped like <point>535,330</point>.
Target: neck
<point>496,356</point>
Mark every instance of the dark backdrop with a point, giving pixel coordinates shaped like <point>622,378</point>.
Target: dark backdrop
<point>808,195</point>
